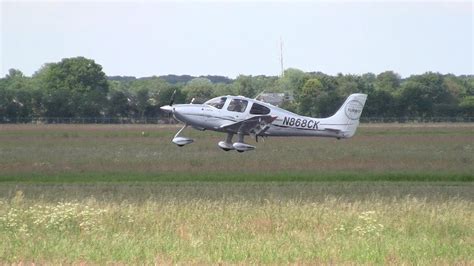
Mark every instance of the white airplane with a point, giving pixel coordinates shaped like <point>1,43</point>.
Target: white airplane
<point>242,116</point>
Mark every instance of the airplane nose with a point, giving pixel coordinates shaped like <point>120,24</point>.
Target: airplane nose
<point>167,108</point>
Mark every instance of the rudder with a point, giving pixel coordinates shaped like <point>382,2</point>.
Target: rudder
<point>346,119</point>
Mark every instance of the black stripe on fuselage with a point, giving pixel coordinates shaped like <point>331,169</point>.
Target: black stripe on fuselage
<point>310,129</point>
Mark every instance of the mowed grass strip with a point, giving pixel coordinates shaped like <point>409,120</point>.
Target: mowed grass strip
<point>405,230</point>
<point>238,191</point>
<point>145,153</point>
<point>300,176</point>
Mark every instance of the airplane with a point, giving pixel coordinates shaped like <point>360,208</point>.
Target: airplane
<point>242,116</point>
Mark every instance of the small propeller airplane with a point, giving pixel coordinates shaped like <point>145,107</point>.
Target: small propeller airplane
<point>242,116</point>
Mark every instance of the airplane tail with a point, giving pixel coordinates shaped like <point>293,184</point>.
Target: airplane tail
<point>346,119</point>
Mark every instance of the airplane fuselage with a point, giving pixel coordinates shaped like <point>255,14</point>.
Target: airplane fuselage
<point>207,117</point>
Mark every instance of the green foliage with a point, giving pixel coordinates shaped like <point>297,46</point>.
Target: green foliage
<point>199,89</point>
<point>73,87</point>
<point>425,95</point>
<point>467,105</point>
<point>318,96</point>
<point>310,93</point>
<point>381,103</point>
<point>118,103</point>
<point>293,80</point>
<point>224,89</point>
<point>245,86</point>
<point>388,81</point>
<point>77,87</point>
<point>18,95</point>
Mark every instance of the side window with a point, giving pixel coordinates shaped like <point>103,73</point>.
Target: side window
<point>258,109</point>
<point>237,105</point>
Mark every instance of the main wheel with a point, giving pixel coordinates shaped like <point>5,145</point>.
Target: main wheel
<point>240,151</point>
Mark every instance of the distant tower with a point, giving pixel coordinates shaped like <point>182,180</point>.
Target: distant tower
<point>281,57</point>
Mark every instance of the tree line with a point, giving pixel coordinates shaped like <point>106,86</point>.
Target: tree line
<point>78,87</point>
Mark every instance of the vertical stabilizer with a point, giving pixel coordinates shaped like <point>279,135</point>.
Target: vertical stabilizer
<point>346,119</point>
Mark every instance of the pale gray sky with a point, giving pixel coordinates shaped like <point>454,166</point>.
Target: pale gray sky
<point>230,38</point>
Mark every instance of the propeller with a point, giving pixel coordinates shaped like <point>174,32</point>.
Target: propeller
<point>171,103</point>
<point>172,98</point>
<point>168,108</point>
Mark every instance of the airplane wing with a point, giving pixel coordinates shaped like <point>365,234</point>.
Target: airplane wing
<point>254,125</point>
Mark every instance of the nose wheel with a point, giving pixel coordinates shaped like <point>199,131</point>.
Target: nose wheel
<point>181,141</point>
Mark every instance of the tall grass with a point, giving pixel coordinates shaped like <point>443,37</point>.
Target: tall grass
<point>405,230</point>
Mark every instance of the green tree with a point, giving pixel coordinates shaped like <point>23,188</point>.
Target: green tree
<point>316,99</point>
<point>142,101</point>
<point>165,95</point>
<point>309,96</point>
<point>118,103</point>
<point>146,96</point>
<point>380,103</point>
<point>425,95</point>
<point>293,81</point>
<point>251,86</point>
<point>388,81</point>
<point>224,89</point>
<point>73,87</point>
<point>467,106</point>
<point>17,95</point>
<point>245,86</point>
<point>348,84</point>
<point>199,89</point>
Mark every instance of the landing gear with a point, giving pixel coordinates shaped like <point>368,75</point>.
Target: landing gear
<point>239,146</point>
<point>181,141</point>
<point>227,144</point>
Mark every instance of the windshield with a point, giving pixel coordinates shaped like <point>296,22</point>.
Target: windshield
<point>217,102</point>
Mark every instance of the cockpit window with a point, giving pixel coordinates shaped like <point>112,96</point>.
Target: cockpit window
<point>217,102</point>
<point>258,109</point>
<point>237,105</point>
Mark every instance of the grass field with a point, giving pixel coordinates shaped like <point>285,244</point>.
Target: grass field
<point>69,153</point>
<point>393,194</point>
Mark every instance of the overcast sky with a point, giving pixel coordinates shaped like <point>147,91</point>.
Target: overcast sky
<point>202,37</point>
